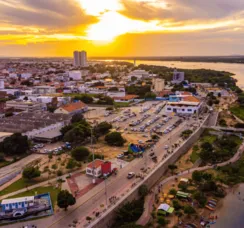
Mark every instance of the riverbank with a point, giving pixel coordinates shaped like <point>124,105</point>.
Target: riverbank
<point>231,210</point>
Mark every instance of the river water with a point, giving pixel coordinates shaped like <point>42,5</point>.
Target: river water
<point>235,68</point>
<point>231,214</point>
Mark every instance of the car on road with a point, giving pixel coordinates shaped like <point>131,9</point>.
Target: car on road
<point>166,147</point>
<point>120,155</point>
<point>130,175</point>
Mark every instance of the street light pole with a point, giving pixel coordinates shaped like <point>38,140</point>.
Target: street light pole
<point>106,195</point>
<point>93,165</point>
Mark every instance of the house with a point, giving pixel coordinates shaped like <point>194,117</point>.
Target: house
<point>97,166</point>
<point>17,203</point>
<point>127,98</point>
<point>73,108</point>
<point>183,103</point>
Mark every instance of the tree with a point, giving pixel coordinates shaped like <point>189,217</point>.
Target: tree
<point>103,128</point>
<point>143,191</point>
<point>115,139</point>
<point>31,172</point>
<point>80,153</point>
<point>87,99</point>
<point>172,191</point>
<point>150,95</point>
<point>189,210</point>
<point>77,118</point>
<point>71,164</point>
<point>179,214</point>
<point>177,205</point>
<point>162,221</point>
<point>129,212</point>
<point>15,144</point>
<point>65,199</point>
<point>199,196</point>
<point>172,167</point>
<point>186,134</point>
<point>197,176</point>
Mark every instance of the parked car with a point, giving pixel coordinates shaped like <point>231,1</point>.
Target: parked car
<point>130,175</point>
<point>120,156</point>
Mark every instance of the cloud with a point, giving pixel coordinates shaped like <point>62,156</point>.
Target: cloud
<point>180,10</point>
<point>58,15</point>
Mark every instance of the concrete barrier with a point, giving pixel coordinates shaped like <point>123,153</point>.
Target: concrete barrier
<point>107,218</point>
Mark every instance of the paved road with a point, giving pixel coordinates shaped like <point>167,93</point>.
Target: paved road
<point>213,118</point>
<point>116,186</point>
<point>19,164</point>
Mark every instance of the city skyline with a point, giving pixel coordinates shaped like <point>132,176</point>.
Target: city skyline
<point>121,27</point>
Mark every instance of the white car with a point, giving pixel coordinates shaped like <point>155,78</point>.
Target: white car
<point>166,147</point>
<point>120,156</point>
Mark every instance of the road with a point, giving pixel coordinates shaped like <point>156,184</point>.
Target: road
<point>18,165</point>
<point>116,186</point>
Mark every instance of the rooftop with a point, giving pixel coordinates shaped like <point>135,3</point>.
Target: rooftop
<point>74,106</point>
<point>18,200</point>
<point>97,163</point>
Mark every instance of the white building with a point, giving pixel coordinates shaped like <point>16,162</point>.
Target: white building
<point>139,74</point>
<point>75,75</point>
<point>44,90</point>
<point>26,75</point>
<point>80,58</point>
<point>157,85</point>
<point>183,103</point>
<point>26,106</point>
<point>1,84</point>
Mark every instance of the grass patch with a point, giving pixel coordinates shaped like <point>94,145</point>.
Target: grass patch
<point>17,185</point>
<point>209,138</point>
<point>238,111</point>
<point>40,190</point>
<point>121,104</point>
<point>194,156</point>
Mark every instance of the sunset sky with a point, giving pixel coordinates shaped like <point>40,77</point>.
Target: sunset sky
<point>43,28</point>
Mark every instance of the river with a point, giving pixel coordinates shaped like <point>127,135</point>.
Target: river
<point>235,68</point>
<point>231,214</point>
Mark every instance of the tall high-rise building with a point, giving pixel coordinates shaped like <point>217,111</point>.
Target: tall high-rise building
<point>80,58</point>
<point>76,58</point>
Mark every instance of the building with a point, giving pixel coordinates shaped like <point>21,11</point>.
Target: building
<point>80,58</point>
<point>17,203</point>
<point>75,75</point>
<point>44,90</point>
<point>217,91</point>
<point>41,125</point>
<point>178,77</point>
<point>26,106</point>
<point>157,85</point>
<point>83,59</point>
<point>73,108</point>
<point>1,84</point>
<point>100,168</point>
<point>97,166</point>
<point>183,103</point>
<point>76,58</point>
<point>127,98</point>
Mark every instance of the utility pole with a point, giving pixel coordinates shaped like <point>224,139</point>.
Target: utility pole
<point>93,165</point>
<point>106,195</point>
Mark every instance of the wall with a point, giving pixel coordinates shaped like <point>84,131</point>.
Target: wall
<point>106,219</point>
